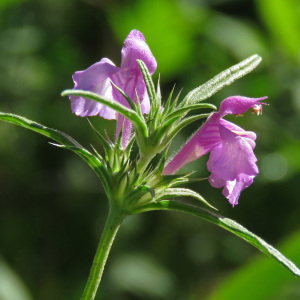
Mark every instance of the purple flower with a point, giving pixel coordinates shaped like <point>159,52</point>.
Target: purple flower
<point>232,163</point>
<point>98,77</point>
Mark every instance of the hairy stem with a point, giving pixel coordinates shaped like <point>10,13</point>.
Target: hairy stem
<point>113,222</point>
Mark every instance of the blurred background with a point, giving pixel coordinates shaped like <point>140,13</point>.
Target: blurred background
<point>52,206</point>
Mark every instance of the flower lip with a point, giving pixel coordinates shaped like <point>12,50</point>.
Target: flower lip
<point>135,47</point>
<point>232,162</point>
<point>238,105</point>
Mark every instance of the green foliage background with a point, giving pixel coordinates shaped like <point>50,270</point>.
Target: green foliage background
<point>52,207</point>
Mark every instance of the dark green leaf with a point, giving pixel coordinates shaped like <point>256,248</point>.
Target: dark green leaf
<point>186,122</point>
<point>182,192</point>
<point>184,110</point>
<point>227,224</point>
<point>221,80</point>
<point>64,140</point>
<point>130,114</point>
<point>148,82</point>
<point>53,134</point>
<point>106,145</point>
<point>168,103</point>
<point>128,99</point>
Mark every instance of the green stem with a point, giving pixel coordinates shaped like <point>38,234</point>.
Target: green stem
<point>113,222</point>
<point>143,162</point>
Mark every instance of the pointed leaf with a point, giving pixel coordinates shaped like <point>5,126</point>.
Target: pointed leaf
<point>148,82</point>
<point>138,104</point>
<point>146,188</point>
<point>277,283</point>
<point>53,134</point>
<point>186,122</point>
<point>186,109</point>
<point>161,164</point>
<point>64,140</point>
<point>123,110</point>
<point>174,180</point>
<point>93,162</point>
<point>168,103</point>
<point>182,192</point>
<point>139,192</point>
<point>221,80</point>
<point>172,107</point>
<point>106,144</point>
<point>165,126</point>
<point>129,148</point>
<point>128,99</point>
<point>99,157</point>
<point>184,179</point>
<point>227,224</point>
<point>158,92</point>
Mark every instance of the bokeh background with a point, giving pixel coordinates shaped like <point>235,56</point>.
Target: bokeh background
<point>52,207</point>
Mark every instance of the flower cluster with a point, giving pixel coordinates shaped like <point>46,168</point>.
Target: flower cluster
<point>100,77</point>
<point>232,163</point>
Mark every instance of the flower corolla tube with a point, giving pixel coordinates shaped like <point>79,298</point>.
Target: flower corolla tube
<point>99,77</point>
<point>232,163</point>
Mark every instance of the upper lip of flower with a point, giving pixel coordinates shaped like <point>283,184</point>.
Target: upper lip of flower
<point>98,77</point>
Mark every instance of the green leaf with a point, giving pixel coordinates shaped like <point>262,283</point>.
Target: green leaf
<point>227,224</point>
<point>168,103</point>
<point>139,192</point>
<point>186,122</point>
<point>106,144</point>
<point>182,192</point>
<point>150,190</point>
<point>148,81</point>
<point>161,164</point>
<point>53,134</point>
<point>185,109</point>
<point>131,115</point>
<point>223,79</point>
<point>175,180</point>
<point>155,103</point>
<point>128,99</point>
<point>127,151</point>
<point>93,162</point>
<point>64,140</point>
<point>158,91</point>
<point>174,104</point>
<point>277,283</point>
<point>161,131</point>
<point>138,105</point>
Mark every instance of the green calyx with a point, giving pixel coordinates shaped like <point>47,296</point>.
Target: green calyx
<point>131,188</point>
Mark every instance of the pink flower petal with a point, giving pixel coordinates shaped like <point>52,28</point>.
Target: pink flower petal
<point>237,105</point>
<point>232,162</point>
<point>94,79</point>
<point>205,139</point>
<point>98,77</point>
<point>135,47</point>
